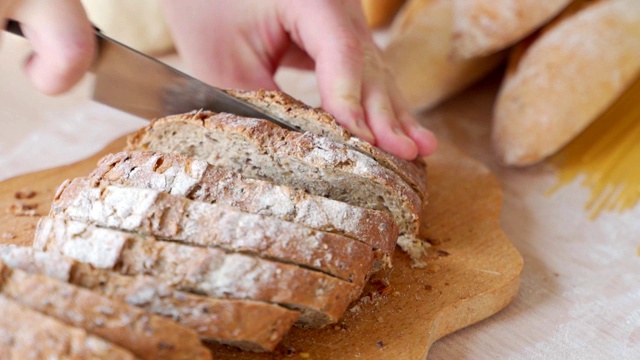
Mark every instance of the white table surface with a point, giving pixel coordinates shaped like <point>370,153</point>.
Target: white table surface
<point>580,288</point>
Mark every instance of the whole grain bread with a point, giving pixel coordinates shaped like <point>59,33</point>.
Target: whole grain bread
<point>320,298</point>
<point>317,121</point>
<point>178,174</point>
<point>147,336</point>
<point>249,325</point>
<point>260,149</point>
<point>26,334</point>
<point>176,218</point>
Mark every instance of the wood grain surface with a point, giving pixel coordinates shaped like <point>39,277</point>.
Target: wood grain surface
<point>473,269</point>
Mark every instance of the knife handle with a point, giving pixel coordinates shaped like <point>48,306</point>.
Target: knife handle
<point>14,28</point>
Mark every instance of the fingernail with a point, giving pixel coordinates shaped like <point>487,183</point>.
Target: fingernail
<point>364,130</point>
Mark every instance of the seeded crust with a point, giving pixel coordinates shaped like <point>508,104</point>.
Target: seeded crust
<point>179,174</point>
<point>259,149</point>
<point>249,325</point>
<point>305,118</point>
<point>26,334</point>
<point>147,336</point>
<point>321,299</point>
<point>176,218</point>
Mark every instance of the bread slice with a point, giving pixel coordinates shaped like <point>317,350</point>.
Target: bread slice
<point>320,298</point>
<point>26,334</point>
<point>176,218</point>
<point>249,325</point>
<point>317,121</point>
<point>147,336</point>
<point>178,174</point>
<point>259,149</point>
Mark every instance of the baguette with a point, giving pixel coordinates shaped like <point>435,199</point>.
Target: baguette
<point>26,334</point>
<point>259,149</point>
<point>569,75</point>
<point>418,54</point>
<point>147,336</point>
<point>176,218</point>
<point>380,12</point>
<point>321,299</point>
<point>181,175</point>
<point>483,27</point>
<point>249,325</point>
<point>317,121</point>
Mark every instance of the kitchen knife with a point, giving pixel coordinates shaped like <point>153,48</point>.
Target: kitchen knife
<point>138,84</point>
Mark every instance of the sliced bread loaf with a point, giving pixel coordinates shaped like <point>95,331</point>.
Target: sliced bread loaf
<point>249,325</point>
<point>179,174</point>
<point>303,117</point>
<point>26,334</point>
<point>176,218</point>
<point>147,336</point>
<point>320,298</point>
<point>259,149</point>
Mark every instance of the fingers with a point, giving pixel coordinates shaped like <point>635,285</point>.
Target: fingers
<point>62,40</point>
<point>226,42</point>
<point>352,78</point>
<point>322,30</point>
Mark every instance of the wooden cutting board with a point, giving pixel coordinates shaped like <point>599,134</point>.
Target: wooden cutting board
<point>473,269</point>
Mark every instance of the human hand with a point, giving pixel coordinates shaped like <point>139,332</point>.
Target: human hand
<point>242,43</point>
<point>61,37</point>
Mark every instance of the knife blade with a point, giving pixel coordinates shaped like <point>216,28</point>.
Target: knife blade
<point>138,84</point>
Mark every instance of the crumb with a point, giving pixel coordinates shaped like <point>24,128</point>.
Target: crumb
<point>396,293</point>
<point>380,319</point>
<point>380,344</point>
<point>428,287</point>
<point>25,194</point>
<point>21,209</point>
<point>416,249</point>
<point>304,355</point>
<point>442,253</point>
<point>8,235</point>
<point>355,309</point>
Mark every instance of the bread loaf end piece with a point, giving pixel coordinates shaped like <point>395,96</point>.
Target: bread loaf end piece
<point>321,299</point>
<point>26,334</point>
<point>317,121</point>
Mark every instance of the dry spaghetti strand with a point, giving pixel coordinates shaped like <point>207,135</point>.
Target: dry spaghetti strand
<point>607,155</point>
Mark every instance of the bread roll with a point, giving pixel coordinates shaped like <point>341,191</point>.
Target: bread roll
<point>380,12</point>
<point>567,77</point>
<point>482,27</point>
<point>418,54</point>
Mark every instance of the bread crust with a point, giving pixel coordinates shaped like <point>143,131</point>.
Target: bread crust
<point>178,174</point>
<point>483,27</point>
<point>306,161</point>
<point>321,299</point>
<point>249,325</point>
<point>26,334</point>
<point>564,79</point>
<point>176,218</point>
<point>147,336</point>
<point>317,121</point>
